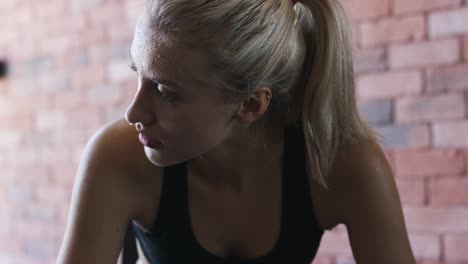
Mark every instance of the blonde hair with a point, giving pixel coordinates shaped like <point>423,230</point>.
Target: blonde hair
<point>302,52</point>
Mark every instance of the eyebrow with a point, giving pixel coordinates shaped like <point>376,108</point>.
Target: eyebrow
<point>154,79</point>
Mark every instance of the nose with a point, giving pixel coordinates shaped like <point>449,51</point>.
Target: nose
<point>140,109</point>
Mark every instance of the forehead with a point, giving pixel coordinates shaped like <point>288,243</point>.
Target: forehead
<point>166,56</point>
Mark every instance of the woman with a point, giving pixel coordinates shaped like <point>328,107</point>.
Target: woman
<point>253,145</point>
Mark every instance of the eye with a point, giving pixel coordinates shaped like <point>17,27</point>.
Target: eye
<point>165,96</point>
<point>132,66</point>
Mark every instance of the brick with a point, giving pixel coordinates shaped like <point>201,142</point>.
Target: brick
<point>405,136</point>
<point>116,51</point>
<point>356,34</point>
<point>27,157</point>
<point>323,260</point>
<point>345,260</point>
<point>456,247</point>
<point>105,15</point>
<point>103,95</point>
<point>22,194</point>
<point>54,81</point>
<point>466,160</point>
<point>22,87</point>
<point>450,134</point>
<point>37,139</point>
<point>389,85</point>
<point>91,75</point>
<point>17,121</point>
<point>425,246</point>
<point>31,175</point>
<point>55,154</point>
<point>412,192</point>
<point>367,9</point>
<point>44,214</point>
<point>23,49</point>
<point>71,98</point>
<point>426,163</point>
<point>425,261</point>
<point>376,112</point>
<point>449,191</point>
<point>56,44</point>
<point>75,59</point>
<point>447,78</point>
<point>52,195</point>
<point>121,32</point>
<point>370,60</point>
<point>466,104</point>
<point>419,6</point>
<point>37,101</point>
<point>8,5</point>
<point>60,26</point>
<point>448,23</point>
<point>436,220</point>
<point>8,106</point>
<point>32,67</point>
<point>441,52</point>
<point>114,113</point>
<point>9,35</point>
<point>393,30</point>
<point>465,48</point>
<point>428,108</point>
<point>49,120</point>
<point>118,71</point>
<point>133,9</point>
<point>9,139</point>
<point>79,5</point>
<point>91,38</point>
<point>63,175</point>
<point>89,117</point>
<point>23,17</point>
<point>40,249</point>
<point>334,243</point>
<point>34,230</point>
<point>49,9</point>
<point>77,136</point>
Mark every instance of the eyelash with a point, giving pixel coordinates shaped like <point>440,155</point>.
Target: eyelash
<point>164,97</point>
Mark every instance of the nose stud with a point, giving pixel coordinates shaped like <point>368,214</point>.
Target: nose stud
<point>139,127</point>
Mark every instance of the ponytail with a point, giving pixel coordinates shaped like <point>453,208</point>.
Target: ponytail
<point>330,117</point>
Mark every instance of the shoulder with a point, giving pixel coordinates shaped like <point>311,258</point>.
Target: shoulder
<point>363,196</point>
<point>361,164</point>
<point>108,191</point>
<point>114,151</point>
<point>118,144</point>
<point>360,174</point>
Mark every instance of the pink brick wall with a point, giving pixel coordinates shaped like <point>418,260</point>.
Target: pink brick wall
<point>69,76</point>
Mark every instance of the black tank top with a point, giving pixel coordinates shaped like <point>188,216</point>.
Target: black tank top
<point>171,240</point>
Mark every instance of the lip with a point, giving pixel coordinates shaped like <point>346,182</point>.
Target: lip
<point>149,142</point>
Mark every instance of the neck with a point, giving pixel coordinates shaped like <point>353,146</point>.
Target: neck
<point>241,163</point>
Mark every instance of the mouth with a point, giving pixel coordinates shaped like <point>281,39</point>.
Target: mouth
<point>149,142</point>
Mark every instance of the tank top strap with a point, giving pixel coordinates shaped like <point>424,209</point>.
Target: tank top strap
<point>173,203</point>
<point>299,212</point>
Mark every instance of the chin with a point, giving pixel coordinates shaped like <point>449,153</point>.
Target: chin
<point>160,159</point>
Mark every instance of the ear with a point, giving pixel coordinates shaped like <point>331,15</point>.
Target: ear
<point>254,106</point>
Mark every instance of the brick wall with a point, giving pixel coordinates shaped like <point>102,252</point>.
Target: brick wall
<point>412,85</point>
<point>69,75</point>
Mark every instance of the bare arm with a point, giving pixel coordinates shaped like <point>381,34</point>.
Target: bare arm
<point>100,207</point>
<point>371,208</point>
